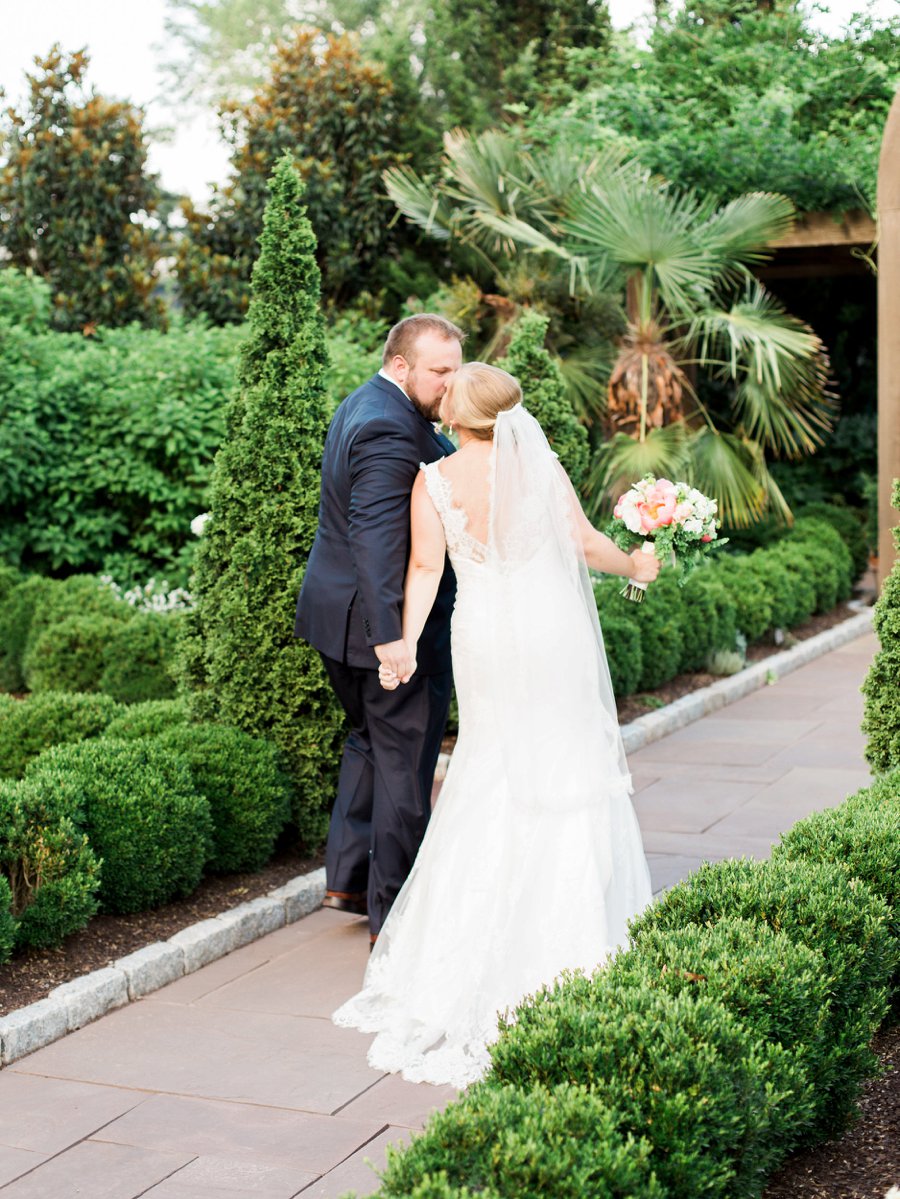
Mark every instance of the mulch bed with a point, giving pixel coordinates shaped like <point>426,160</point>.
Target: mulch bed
<point>865,1162</point>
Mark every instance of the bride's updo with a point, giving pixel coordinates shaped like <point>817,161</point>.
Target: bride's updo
<point>477,394</point>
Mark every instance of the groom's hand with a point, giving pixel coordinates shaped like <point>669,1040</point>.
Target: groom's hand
<point>397,663</point>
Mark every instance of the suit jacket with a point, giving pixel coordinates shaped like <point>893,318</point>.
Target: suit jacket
<point>352,590</point>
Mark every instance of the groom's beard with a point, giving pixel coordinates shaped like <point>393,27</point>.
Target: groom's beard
<point>431,412</point>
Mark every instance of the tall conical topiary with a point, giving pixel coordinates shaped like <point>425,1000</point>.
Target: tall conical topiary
<point>881,718</point>
<point>239,657</point>
<point>544,393</point>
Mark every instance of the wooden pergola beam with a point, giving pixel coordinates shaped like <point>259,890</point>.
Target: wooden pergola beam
<point>888,335</point>
<point>823,229</point>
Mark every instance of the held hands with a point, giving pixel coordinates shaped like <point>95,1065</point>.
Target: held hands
<point>644,566</point>
<point>398,664</point>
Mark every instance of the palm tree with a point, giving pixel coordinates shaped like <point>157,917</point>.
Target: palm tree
<point>690,306</point>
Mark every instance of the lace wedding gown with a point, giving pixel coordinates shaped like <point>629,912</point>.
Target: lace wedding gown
<point>532,862</point>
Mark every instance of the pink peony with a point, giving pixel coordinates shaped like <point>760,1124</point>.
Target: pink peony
<point>659,507</point>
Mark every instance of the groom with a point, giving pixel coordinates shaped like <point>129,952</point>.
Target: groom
<point>350,610</point>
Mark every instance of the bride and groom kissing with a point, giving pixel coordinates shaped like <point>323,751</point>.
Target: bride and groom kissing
<point>434,565</point>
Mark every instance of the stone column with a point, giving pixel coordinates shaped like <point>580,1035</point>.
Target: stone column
<point>888,336</point>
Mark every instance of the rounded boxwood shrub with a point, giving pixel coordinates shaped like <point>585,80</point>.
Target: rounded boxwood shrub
<point>830,557</point>
<point>811,530</point>
<point>78,595</point>
<point>9,578</point>
<point>881,716</point>
<point>817,905</point>
<point>753,600</point>
<point>777,988</point>
<point>7,921</point>
<point>787,604</point>
<point>861,837</point>
<point>709,619</point>
<point>503,1141</point>
<point>16,614</point>
<point>622,641</point>
<point>248,794</point>
<point>53,873</point>
<point>849,524</point>
<point>138,659</point>
<point>29,726</point>
<point>148,718</point>
<point>791,557</point>
<point>142,813</point>
<point>682,1072</point>
<point>69,656</point>
<point>661,623</point>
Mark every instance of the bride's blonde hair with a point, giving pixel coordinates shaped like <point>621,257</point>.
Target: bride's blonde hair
<point>478,393</point>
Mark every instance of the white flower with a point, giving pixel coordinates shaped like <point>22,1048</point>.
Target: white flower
<point>694,525</point>
<point>199,523</point>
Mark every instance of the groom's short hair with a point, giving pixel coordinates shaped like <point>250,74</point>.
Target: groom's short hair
<point>404,335</point>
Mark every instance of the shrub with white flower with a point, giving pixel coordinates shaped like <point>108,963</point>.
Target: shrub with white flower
<point>673,519</point>
<point>154,596</point>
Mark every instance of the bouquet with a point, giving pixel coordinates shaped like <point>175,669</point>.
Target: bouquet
<point>677,521</point>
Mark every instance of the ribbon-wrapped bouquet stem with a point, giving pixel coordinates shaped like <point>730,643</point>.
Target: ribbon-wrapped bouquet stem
<point>677,522</point>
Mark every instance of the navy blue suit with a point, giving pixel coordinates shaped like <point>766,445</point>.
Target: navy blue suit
<point>350,601</point>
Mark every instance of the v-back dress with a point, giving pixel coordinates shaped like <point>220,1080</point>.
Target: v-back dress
<point>532,862</point>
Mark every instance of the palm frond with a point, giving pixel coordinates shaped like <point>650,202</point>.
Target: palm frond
<point>644,226</point>
<point>420,201</point>
<point>780,368</point>
<point>743,228</point>
<point>586,371</point>
<point>624,460</point>
<point>723,467</point>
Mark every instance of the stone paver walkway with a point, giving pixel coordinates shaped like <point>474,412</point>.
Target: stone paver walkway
<point>232,1081</point>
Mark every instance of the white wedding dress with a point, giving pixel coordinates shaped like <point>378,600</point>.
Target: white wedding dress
<point>532,862</point>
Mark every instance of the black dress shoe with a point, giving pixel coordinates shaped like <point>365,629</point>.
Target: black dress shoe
<point>341,901</point>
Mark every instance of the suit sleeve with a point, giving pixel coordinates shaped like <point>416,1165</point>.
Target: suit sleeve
<point>383,466</point>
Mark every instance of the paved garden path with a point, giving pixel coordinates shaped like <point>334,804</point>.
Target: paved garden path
<point>232,1082</point>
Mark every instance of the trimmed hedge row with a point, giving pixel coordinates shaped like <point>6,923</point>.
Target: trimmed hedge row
<point>733,1030</point>
<point>126,809</point>
<point>75,635</point>
<point>680,629</point>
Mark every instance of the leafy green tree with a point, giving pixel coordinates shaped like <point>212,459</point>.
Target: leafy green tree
<point>76,201</point>
<point>336,115</point>
<point>544,393</point>
<point>731,96</point>
<point>459,62</point>
<point>241,662</point>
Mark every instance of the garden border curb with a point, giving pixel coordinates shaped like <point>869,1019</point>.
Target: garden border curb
<point>74,1004</point>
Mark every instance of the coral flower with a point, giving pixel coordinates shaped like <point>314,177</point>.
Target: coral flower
<point>659,507</point>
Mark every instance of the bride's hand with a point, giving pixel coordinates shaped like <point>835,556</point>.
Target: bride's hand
<point>644,567</point>
<point>397,664</point>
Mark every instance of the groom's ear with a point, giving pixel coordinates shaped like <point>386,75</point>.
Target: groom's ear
<point>399,368</point>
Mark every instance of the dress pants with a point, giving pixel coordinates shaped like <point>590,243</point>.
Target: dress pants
<point>384,789</point>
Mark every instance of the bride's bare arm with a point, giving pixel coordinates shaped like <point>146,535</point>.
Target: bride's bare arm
<point>601,553</point>
<point>426,563</point>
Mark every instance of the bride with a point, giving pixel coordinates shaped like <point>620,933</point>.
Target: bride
<point>532,863</point>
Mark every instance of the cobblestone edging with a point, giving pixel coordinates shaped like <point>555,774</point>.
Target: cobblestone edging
<point>76,1003</point>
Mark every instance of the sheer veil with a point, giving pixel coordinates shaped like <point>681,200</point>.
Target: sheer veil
<point>544,622</point>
